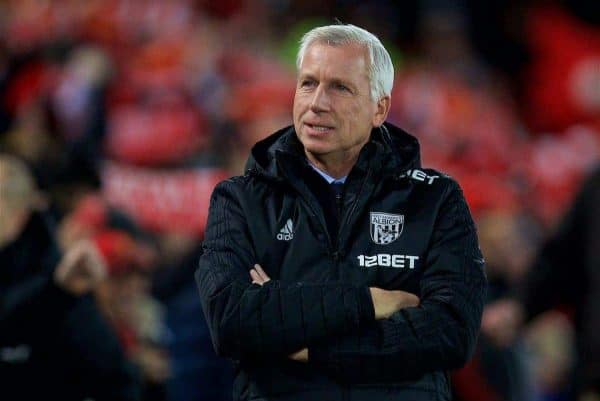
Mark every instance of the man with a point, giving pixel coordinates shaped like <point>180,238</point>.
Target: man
<point>54,344</point>
<point>565,273</point>
<point>336,268</point>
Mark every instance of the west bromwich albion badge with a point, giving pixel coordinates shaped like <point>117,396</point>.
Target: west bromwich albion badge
<point>385,227</point>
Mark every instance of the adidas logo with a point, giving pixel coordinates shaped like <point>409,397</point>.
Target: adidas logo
<point>286,233</point>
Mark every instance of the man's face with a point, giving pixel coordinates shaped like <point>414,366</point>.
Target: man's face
<point>333,109</point>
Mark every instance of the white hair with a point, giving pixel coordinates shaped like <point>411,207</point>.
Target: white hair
<point>380,68</point>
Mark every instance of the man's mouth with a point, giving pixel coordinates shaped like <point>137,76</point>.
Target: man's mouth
<point>318,128</point>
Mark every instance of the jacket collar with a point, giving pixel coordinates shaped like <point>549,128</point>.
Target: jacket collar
<point>390,149</point>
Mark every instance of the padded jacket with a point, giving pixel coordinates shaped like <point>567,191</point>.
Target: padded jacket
<point>401,227</point>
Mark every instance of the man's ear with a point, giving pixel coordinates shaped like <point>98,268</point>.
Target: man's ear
<point>382,111</point>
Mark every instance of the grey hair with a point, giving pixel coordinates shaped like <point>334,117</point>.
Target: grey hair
<point>380,68</point>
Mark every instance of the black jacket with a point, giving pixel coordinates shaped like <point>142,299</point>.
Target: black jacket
<point>53,346</point>
<point>401,228</point>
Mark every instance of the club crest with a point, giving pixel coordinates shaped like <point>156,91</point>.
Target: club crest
<point>386,227</point>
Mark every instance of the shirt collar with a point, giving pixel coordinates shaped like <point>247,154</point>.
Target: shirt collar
<point>327,177</point>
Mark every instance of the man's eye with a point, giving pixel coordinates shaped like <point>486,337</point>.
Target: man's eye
<point>307,83</point>
<point>342,87</point>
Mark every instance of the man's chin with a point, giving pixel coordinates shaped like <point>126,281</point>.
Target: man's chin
<point>318,149</point>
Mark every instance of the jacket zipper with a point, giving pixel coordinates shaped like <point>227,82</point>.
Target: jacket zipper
<point>338,204</point>
<point>321,222</point>
<point>348,214</point>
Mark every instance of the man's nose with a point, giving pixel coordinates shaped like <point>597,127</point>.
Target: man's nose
<point>320,100</point>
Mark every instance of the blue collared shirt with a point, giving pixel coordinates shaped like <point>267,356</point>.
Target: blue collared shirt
<point>327,177</point>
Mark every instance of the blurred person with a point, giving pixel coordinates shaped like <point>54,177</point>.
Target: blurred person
<point>91,215</point>
<point>137,317</point>
<point>124,297</point>
<point>549,348</point>
<point>197,373</point>
<point>377,280</point>
<point>565,275</point>
<point>77,102</point>
<point>54,344</point>
<point>499,372</point>
<point>29,136</point>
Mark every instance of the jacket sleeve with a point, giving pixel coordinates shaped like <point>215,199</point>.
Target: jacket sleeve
<point>441,333</point>
<point>276,319</point>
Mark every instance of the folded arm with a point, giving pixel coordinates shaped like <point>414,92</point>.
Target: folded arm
<point>275,319</point>
<point>441,333</point>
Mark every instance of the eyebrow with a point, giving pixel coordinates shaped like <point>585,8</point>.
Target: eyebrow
<point>341,81</point>
<point>307,75</point>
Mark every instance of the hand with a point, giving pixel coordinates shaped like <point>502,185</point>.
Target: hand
<point>388,302</point>
<point>81,269</point>
<point>501,321</point>
<point>153,362</point>
<point>258,275</point>
<point>300,356</point>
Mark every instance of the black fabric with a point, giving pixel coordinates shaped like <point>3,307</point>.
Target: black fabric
<point>53,346</point>
<point>319,293</point>
<point>336,189</point>
<point>329,197</point>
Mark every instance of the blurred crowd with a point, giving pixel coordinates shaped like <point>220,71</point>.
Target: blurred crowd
<point>121,116</point>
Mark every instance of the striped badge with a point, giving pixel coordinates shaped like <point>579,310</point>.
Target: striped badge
<point>386,228</point>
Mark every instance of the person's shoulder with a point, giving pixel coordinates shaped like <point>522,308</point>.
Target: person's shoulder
<point>428,177</point>
<point>230,185</point>
<point>435,183</point>
<point>234,180</point>
<point>239,181</point>
<point>242,186</point>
